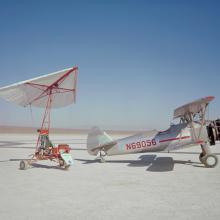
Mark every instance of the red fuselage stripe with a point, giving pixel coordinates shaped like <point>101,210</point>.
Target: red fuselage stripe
<point>200,142</point>
<point>174,139</point>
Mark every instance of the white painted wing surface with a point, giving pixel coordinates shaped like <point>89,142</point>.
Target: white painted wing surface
<point>62,85</point>
<point>192,107</point>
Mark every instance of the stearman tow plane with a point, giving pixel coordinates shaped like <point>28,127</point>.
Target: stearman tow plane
<point>192,129</point>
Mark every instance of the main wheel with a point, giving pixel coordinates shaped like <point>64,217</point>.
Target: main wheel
<point>61,162</point>
<point>23,165</point>
<point>66,167</point>
<point>210,160</point>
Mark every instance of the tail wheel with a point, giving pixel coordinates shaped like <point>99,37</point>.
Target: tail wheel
<point>210,160</point>
<point>102,155</point>
<point>23,165</point>
<point>102,160</point>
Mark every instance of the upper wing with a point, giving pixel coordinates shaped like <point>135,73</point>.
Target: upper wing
<point>192,107</point>
<point>62,85</point>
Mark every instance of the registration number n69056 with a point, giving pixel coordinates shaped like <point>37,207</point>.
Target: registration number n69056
<point>141,144</point>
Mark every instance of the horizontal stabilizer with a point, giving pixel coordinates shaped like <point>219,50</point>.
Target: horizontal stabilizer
<point>97,140</point>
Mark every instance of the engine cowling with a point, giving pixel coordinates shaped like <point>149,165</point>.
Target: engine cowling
<point>213,130</point>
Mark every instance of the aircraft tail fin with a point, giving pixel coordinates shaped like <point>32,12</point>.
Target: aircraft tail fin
<point>96,137</point>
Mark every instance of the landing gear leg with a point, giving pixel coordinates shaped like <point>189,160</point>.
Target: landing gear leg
<point>207,158</point>
<point>101,156</point>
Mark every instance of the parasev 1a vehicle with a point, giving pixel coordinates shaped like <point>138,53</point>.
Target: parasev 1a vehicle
<point>193,129</point>
<point>49,91</point>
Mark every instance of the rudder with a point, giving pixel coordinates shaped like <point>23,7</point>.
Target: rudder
<point>95,138</point>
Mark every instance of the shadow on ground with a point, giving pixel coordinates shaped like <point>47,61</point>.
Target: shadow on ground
<point>183,152</point>
<point>152,162</point>
<point>34,165</point>
<point>11,160</point>
<point>31,145</point>
<point>37,165</point>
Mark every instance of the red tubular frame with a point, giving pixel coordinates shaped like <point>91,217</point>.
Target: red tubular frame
<point>49,91</point>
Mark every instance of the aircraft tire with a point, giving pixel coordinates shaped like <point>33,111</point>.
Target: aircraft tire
<point>210,160</point>
<point>23,165</point>
<point>61,163</point>
<point>66,167</point>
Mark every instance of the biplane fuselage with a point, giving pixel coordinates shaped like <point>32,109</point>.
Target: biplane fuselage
<point>177,136</point>
<point>193,129</point>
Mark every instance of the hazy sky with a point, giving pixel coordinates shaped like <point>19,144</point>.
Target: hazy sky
<point>138,60</point>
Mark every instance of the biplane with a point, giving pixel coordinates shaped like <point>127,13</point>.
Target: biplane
<point>192,129</point>
<point>49,91</point>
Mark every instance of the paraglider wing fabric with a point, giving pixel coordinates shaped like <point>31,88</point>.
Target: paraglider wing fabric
<point>60,85</point>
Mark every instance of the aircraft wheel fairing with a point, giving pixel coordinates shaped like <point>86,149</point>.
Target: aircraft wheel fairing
<point>210,160</point>
<point>23,165</point>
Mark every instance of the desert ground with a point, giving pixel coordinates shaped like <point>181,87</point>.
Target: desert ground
<point>137,186</point>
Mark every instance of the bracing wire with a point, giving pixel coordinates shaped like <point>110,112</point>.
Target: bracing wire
<point>208,113</point>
